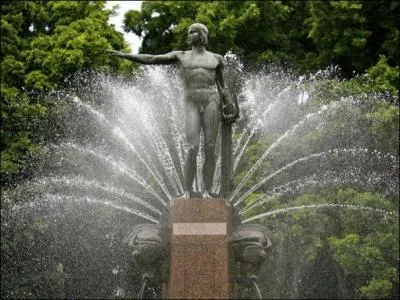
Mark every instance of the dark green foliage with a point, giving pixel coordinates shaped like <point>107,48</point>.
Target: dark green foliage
<point>334,252</point>
<point>42,44</point>
<point>308,35</point>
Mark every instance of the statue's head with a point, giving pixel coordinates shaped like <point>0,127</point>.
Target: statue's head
<point>203,33</point>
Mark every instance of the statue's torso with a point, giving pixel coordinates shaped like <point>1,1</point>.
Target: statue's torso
<point>198,70</point>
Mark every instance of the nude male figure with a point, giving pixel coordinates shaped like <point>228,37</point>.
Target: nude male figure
<point>202,75</point>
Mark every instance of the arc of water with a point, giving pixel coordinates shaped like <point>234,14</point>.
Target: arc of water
<point>157,73</point>
<point>142,112</point>
<point>239,148</point>
<point>257,289</point>
<point>217,176</point>
<point>165,159</point>
<point>352,151</point>
<point>123,208</point>
<point>48,197</point>
<point>241,151</point>
<point>179,141</point>
<point>120,134</point>
<point>98,114</point>
<point>274,145</point>
<point>176,133</point>
<point>164,156</point>
<point>261,182</point>
<point>120,168</point>
<point>238,143</point>
<point>198,182</point>
<point>322,179</point>
<point>262,199</point>
<point>76,181</point>
<point>252,132</point>
<point>268,197</point>
<point>172,174</point>
<point>151,161</point>
<point>316,206</point>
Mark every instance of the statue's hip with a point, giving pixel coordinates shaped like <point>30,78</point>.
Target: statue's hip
<point>202,97</point>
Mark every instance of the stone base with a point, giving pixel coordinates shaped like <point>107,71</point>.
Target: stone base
<point>199,251</point>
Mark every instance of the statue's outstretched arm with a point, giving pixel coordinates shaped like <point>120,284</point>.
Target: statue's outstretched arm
<point>148,59</point>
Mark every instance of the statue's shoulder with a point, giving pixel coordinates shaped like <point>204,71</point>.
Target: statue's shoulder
<point>180,53</point>
<point>218,57</point>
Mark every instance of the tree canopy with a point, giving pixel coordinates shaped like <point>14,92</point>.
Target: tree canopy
<point>43,43</point>
<point>308,35</point>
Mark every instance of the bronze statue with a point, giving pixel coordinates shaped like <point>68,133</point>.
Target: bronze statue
<point>202,74</point>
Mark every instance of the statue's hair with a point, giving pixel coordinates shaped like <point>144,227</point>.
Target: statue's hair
<point>203,32</point>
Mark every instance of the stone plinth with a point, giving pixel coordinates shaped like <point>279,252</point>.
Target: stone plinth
<point>199,253</point>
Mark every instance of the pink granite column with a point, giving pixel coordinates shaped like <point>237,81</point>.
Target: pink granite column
<point>199,253</point>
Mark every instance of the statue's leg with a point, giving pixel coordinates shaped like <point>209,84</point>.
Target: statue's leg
<point>193,126</point>
<point>210,123</point>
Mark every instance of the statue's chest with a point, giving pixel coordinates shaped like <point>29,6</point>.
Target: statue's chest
<point>201,61</point>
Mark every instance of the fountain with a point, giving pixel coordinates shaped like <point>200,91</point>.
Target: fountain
<point>63,229</point>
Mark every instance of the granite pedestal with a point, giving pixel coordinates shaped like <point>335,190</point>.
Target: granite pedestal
<point>199,250</point>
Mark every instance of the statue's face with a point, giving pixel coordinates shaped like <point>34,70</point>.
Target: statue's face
<point>194,36</point>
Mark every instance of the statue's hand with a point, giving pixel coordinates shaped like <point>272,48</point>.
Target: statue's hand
<point>229,109</point>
